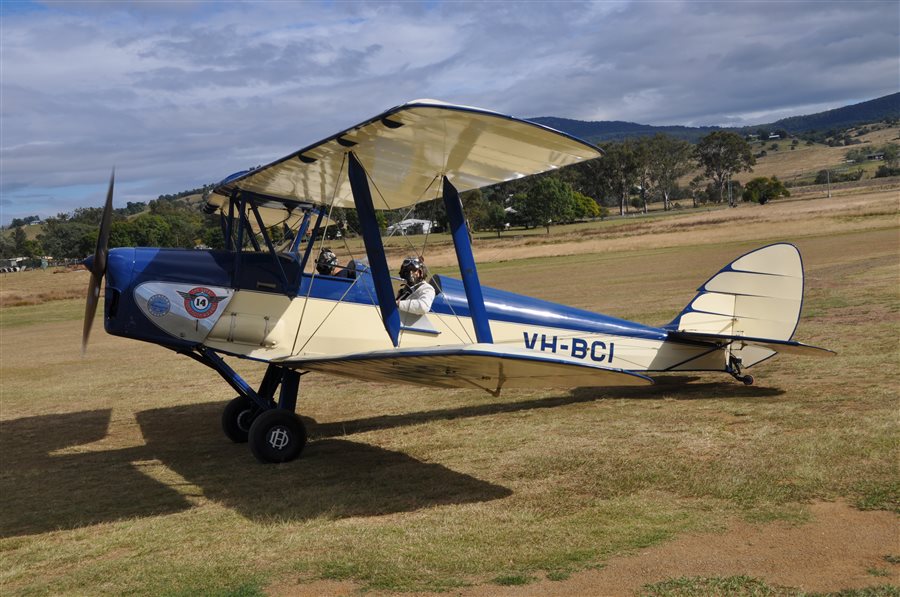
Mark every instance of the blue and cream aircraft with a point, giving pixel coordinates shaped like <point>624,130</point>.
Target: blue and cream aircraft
<point>255,300</point>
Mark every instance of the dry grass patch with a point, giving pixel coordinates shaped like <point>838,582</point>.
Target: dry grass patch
<point>35,287</point>
<point>116,477</point>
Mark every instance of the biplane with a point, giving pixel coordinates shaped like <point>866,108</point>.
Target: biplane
<point>259,300</point>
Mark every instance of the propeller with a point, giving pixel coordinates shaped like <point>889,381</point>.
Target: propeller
<point>97,265</point>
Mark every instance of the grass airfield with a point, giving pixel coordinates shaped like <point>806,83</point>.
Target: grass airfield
<point>116,478</point>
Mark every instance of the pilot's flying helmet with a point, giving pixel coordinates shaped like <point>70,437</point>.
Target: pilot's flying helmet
<point>326,261</point>
<point>410,265</point>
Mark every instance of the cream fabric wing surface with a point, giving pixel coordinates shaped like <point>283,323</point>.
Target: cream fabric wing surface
<point>406,150</point>
<point>490,367</point>
<point>758,295</point>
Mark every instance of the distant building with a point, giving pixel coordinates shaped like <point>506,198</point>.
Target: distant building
<point>774,136</point>
<point>875,156</point>
<point>409,227</point>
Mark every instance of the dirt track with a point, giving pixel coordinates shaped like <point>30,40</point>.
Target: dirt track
<point>840,548</point>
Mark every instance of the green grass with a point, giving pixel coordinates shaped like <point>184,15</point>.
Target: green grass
<point>513,580</point>
<point>744,586</point>
<point>732,586</point>
<point>55,311</point>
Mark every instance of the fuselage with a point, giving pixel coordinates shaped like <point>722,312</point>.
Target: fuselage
<point>261,306</point>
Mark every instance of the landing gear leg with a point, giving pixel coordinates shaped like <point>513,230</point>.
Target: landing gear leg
<point>734,368</point>
<point>240,413</point>
<point>275,433</point>
<point>279,435</point>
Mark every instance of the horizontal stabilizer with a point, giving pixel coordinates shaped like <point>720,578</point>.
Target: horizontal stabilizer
<point>741,342</point>
<point>489,367</point>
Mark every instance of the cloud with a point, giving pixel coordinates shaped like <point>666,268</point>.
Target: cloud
<point>181,94</point>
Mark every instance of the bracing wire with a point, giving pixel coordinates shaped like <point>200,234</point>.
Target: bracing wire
<point>327,315</point>
<point>314,271</point>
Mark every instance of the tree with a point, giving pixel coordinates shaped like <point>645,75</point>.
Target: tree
<point>495,217</point>
<point>475,208</point>
<point>20,238</point>
<point>151,230</point>
<point>668,159</point>
<point>695,188</point>
<point>644,181</point>
<point>63,237</point>
<point>585,207</point>
<point>762,190</point>
<point>891,154</point>
<point>16,222</point>
<point>619,169</point>
<point>855,155</point>
<point>549,200</point>
<point>134,207</point>
<point>722,154</point>
<point>585,177</point>
<point>7,247</point>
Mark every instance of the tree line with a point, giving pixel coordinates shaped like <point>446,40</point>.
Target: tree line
<point>630,175</point>
<point>169,222</point>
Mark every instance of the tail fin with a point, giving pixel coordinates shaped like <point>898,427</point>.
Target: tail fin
<point>758,296</point>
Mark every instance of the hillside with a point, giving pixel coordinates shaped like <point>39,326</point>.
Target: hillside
<point>617,130</point>
<point>800,165</point>
<point>882,108</point>
<point>885,108</point>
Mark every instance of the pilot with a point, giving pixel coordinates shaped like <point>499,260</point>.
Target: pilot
<point>327,265</point>
<point>327,262</point>
<point>416,295</point>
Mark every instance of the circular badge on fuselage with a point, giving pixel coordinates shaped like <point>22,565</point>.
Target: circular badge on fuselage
<point>158,305</point>
<point>200,302</point>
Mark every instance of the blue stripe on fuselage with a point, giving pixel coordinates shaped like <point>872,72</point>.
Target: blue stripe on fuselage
<point>517,308</point>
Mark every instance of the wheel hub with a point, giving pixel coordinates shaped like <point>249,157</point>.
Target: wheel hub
<point>244,420</point>
<point>279,438</point>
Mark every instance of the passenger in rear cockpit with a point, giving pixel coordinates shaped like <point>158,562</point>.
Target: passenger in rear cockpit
<point>416,295</point>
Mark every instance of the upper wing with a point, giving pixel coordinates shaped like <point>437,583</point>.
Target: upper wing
<point>489,367</point>
<point>406,150</point>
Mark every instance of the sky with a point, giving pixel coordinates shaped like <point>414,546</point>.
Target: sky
<point>176,95</point>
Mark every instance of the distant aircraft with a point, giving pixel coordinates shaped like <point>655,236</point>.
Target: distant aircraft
<point>269,304</point>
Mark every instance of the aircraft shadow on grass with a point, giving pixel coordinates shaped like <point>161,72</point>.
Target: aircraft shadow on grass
<point>673,387</point>
<point>44,490</point>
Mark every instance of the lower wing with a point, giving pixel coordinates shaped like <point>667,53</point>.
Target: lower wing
<point>489,367</point>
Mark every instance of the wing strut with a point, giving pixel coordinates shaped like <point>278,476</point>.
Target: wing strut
<point>381,275</point>
<point>467,263</point>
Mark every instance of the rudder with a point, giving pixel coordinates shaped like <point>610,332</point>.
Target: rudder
<point>758,295</point>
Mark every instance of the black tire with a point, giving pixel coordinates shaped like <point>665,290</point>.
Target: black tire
<point>277,436</point>
<point>748,380</point>
<point>237,418</point>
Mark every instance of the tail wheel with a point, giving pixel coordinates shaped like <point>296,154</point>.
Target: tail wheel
<point>237,418</point>
<point>277,436</point>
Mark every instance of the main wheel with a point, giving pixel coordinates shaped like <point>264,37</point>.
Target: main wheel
<point>277,436</point>
<point>748,380</point>
<point>237,417</point>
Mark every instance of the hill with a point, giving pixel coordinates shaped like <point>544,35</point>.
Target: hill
<point>876,110</point>
<point>618,130</point>
<point>885,108</point>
